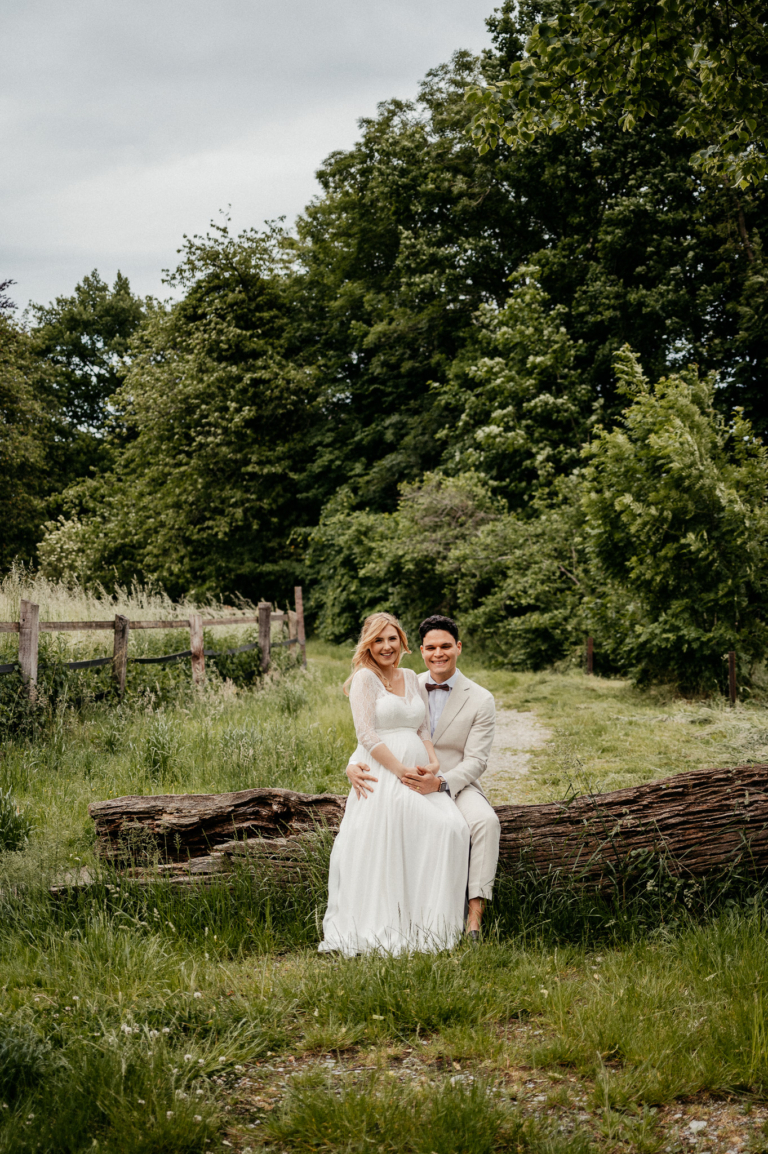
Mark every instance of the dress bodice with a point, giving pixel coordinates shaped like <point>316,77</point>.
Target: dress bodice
<point>375,709</point>
<point>393,712</point>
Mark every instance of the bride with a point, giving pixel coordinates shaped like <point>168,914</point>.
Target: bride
<point>398,872</point>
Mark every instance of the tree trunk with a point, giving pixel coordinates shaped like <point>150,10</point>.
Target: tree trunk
<point>700,821</point>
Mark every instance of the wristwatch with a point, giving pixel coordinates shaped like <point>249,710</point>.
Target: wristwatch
<point>444,787</point>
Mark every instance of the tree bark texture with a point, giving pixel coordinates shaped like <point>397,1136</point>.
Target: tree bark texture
<point>701,821</point>
<point>190,825</point>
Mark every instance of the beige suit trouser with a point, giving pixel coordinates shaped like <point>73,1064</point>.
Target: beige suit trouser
<point>484,833</point>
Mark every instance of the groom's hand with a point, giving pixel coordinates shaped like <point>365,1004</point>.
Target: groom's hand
<point>422,779</point>
<point>359,776</point>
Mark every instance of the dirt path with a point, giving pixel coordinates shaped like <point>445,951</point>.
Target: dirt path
<point>517,734</point>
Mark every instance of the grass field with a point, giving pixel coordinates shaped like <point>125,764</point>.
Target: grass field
<point>150,1021</point>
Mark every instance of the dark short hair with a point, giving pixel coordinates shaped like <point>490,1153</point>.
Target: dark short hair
<point>437,621</point>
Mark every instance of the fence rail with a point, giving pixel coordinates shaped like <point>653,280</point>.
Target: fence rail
<point>29,627</point>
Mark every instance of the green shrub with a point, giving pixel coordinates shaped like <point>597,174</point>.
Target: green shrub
<point>25,1059</point>
<point>15,828</point>
<point>677,521</point>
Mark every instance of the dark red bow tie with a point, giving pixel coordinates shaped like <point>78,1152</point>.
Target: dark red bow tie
<point>433,685</point>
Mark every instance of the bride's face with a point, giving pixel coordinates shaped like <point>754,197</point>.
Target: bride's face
<point>385,648</point>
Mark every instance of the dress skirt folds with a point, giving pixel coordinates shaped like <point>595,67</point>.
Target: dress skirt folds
<point>398,873</point>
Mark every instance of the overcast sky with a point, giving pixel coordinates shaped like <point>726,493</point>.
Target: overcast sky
<point>125,125</point>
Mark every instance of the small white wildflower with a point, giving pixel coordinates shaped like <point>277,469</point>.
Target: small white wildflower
<point>187,1057</point>
<point>154,1033</point>
<point>201,1061</point>
<point>166,1030</point>
<point>169,1113</point>
<point>197,994</point>
<point>197,1118</point>
<point>126,1029</point>
<point>239,1067</point>
<point>141,1101</point>
<point>75,997</point>
<point>181,1095</point>
<point>222,1059</point>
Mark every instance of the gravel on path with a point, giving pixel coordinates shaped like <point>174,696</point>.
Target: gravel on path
<point>506,777</point>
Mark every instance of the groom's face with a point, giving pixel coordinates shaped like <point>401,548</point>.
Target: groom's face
<point>440,653</point>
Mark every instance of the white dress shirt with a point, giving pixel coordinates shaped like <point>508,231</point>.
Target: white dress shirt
<point>438,699</point>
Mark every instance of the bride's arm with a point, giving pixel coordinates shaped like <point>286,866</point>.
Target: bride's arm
<point>424,778</point>
<point>362,698</point>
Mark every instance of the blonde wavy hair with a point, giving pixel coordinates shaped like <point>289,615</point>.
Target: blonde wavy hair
<point>362,658</point>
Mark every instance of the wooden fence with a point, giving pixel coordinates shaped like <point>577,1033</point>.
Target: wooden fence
<point>29,627</point>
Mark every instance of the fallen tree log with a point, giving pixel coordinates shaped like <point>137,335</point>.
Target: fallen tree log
<point>700,822</point>
<point>188,825</point>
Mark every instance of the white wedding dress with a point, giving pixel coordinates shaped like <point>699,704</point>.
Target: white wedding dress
<point>398,873</point>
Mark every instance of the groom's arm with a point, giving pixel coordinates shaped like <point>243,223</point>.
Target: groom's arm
<point>476,751</point>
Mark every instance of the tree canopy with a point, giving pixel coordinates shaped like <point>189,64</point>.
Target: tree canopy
<point>390,401</point>
<point>625,60</point>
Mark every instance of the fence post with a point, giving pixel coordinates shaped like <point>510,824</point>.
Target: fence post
<point>196,645</point>
<point>590,654</point>
<point>293,625</point>
<point>265,633</point>
<point>29,633</point>
<point>120,653</point>
<point>732,676</point>
<point>298,597</point>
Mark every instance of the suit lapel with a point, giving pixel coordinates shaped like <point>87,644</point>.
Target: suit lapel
<point>457,699</point>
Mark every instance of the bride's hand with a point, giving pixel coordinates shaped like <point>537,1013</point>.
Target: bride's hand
<point>359,775</point>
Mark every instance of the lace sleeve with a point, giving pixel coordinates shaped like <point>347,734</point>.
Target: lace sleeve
<point>362,697</point>
<point>414,690</point>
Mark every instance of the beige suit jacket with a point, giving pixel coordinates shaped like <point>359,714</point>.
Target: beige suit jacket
<point>464,733</point>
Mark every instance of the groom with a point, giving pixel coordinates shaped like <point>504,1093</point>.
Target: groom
<point>461,721</point>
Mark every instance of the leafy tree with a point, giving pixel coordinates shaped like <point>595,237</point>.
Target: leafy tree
<point>676,515</point>
<point>525,586</point>
<point>6,304</point>
<point>360,561</point>
<point>211,478</point>
<point>26,438</point>
<point>412,233</point>
<point>625,60</point>
<point>85,338</point>
<point>520,406</point>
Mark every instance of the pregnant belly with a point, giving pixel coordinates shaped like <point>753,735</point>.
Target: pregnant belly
<point>406,745</point>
